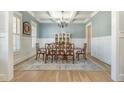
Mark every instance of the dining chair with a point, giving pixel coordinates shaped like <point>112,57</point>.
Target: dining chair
<point>38,51</point>
<point>82,51</point>
<point>43,51</point>
<point>55,47</point>
<point>60,52</point>
<point>70,51</point>
<point>49,51</point>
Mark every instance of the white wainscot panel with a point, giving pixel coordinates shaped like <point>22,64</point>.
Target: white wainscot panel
<point>93,47</point>
<point>42,41</point>
<point>121,58</point>
<point>26,50</point>
<point>101,48</point>
<point>107,50</point>
<point>78,42</point>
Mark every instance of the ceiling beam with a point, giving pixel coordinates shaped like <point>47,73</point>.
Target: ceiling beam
<point>74,13</point>
<point>52,19</point>
<point>91,16</point>
<point>70,17</point>
<point>94,13</point>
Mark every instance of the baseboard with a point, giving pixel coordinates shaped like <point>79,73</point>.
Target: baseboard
<point>93,61</point>
<point>4,77</point>
<point>101,59</point>
<point>24,60</point>
<point>121,77</point>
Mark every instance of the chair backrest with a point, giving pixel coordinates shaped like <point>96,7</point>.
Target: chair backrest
<point>55,45</point>
<point>70,48</point>
<point>37,46</point>
<point>85,47</point>
<point>48,48</point>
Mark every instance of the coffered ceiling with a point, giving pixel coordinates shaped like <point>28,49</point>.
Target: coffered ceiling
<point>68,16</point>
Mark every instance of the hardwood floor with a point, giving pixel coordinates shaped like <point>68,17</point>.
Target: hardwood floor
<point>106,67</point>
<point>64,75</point>
<point>61,76</point>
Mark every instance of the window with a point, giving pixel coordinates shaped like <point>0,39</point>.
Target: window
<point>16,33</point>
<point>34,34</point>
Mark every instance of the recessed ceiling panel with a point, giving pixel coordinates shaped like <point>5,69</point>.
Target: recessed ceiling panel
<point>54,16</point>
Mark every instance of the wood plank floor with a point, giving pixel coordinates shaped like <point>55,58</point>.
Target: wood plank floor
<point>61,76</point>
<point>64,75</point>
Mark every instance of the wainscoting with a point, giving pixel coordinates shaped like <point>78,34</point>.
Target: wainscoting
<point>78,42</point>
<point>26,50</point>
<point>101,48</point>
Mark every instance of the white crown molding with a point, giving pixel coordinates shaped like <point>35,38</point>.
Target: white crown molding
<point>33,15</point>
<point>18,14</point>
<point>92,15</point>
<point>46,22</point>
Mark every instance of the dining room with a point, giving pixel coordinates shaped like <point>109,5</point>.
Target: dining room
<point>61,46</point>
<point>64,45</point>
<point>58,41</point>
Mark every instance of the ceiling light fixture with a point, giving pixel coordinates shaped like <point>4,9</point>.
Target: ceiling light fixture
<point>59,18</point>
<point>62,23</point>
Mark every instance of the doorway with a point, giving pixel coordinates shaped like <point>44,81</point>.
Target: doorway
<point>88,37</point>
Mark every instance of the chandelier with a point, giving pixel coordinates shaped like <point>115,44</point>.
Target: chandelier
<point>62,20</point>
<point>62,23</point>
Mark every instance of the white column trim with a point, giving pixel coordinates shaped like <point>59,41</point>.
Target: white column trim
<point>117,67</point>
<point>86,30</point>
<point>88,24</point>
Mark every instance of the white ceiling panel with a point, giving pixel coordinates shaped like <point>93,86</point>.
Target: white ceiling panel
<point>53,16</point>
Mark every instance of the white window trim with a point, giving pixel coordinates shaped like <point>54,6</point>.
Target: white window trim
<point>17,14</point>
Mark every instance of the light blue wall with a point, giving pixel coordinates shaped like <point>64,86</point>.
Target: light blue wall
<point>101,24</point>
<point>48,30</point>
<point>26,50</point>
<point>27,17</point>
